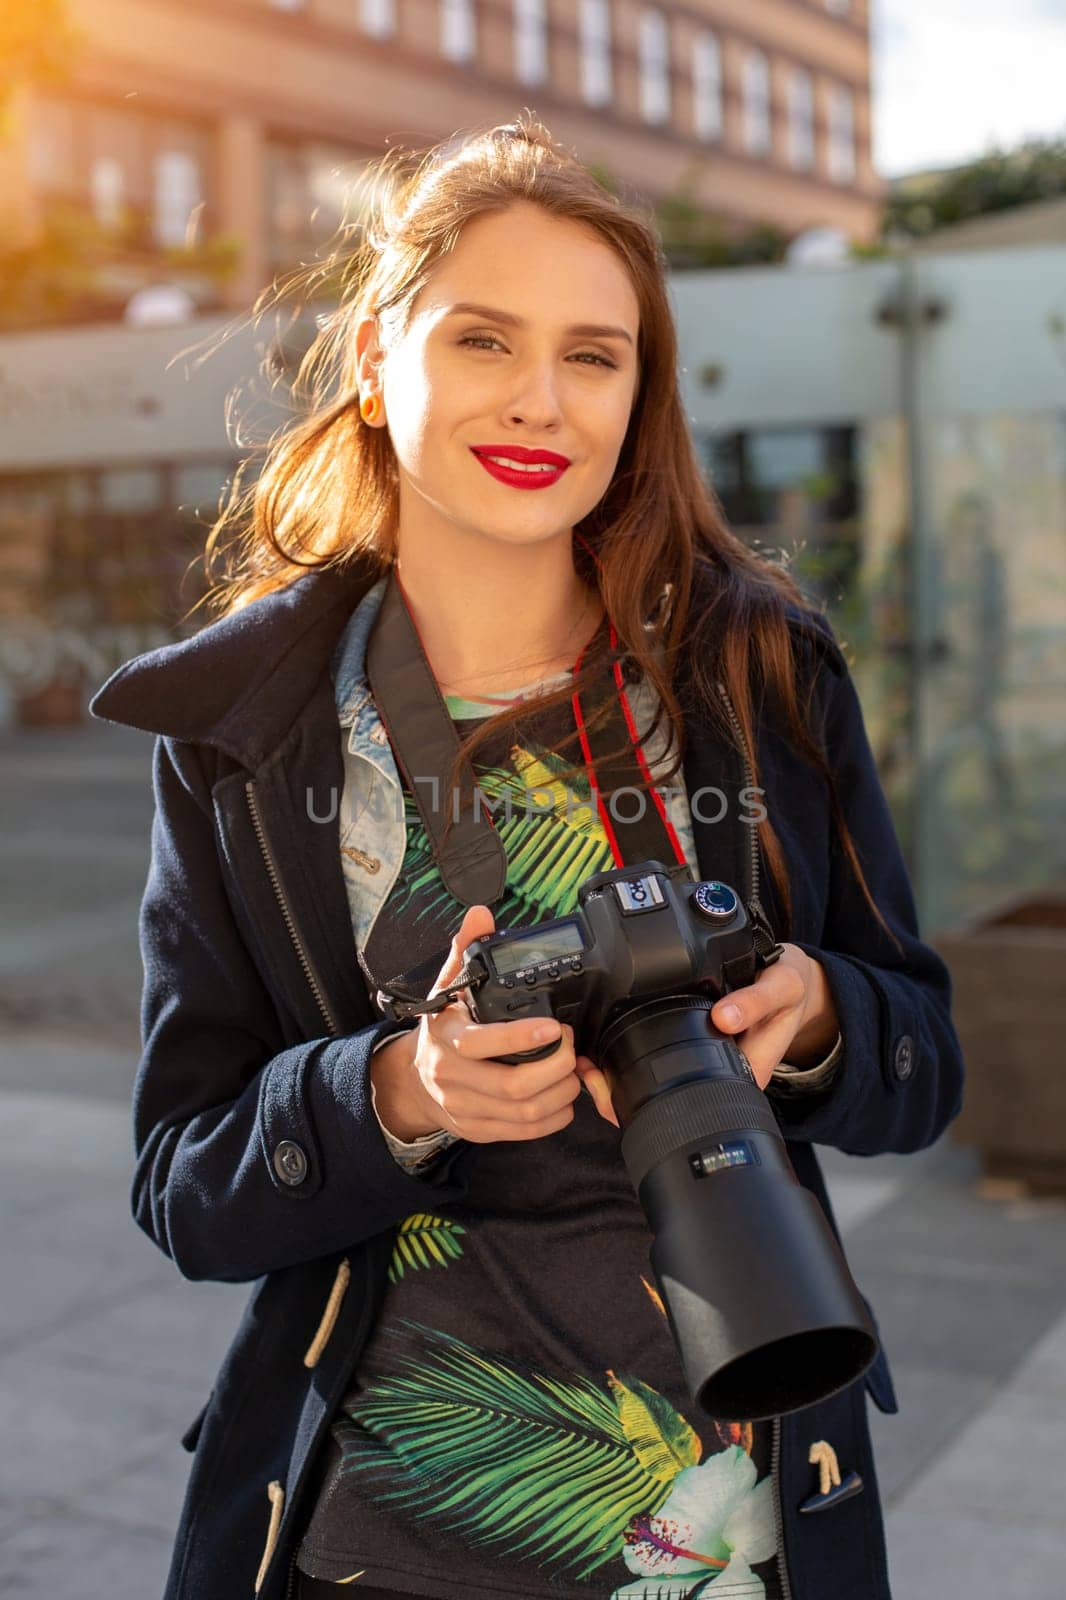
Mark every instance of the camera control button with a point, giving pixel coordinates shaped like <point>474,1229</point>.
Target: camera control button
<point>531,978</point>
<point>903,1059</point>
<point>575,965</point>
<point>508,983</point>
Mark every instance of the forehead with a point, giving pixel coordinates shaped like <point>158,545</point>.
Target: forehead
<point>535,266</point>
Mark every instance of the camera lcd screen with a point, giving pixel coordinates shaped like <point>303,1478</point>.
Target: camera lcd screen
<point>540,944</point>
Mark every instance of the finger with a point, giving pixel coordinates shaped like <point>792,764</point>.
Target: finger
<point>477,922</point>
<point>777,988</point>
<point>766,1044</point>
<point>468,1053</point>
<point>594,1080</point>
<point>483,1041</point>
<point>470,1108</point>
<point>505,1081</point>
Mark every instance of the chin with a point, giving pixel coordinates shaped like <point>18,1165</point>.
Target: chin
<point>517,535</point>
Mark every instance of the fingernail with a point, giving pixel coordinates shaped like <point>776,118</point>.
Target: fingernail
<point>730,1015</point>
<point>546,1030</point>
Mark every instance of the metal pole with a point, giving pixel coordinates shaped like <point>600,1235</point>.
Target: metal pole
<point>921,577</point>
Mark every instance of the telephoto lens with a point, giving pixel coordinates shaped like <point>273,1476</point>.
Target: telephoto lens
<point>760,1301</point>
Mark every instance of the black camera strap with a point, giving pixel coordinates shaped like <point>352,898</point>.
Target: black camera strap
<point>469,854</point>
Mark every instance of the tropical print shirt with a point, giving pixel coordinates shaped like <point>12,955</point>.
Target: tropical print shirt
<point>517,1424</point>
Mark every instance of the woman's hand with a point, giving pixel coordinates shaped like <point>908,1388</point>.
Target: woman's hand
<point>445,1074</point>
<point>787,1013</point>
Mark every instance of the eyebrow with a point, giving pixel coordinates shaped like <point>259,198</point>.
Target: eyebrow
<point>584,330</point>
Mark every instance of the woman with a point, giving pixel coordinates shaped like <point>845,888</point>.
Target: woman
<point>454,1375</point>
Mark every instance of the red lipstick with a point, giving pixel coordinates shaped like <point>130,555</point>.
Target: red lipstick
<point>538,468</point>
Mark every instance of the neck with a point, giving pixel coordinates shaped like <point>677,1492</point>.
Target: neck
<point>500,620</point>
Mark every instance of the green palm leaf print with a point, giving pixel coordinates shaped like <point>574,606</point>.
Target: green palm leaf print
<point>424,1241</point>
<point>550,849</point>
<point>538,1467</point>
<point>660,1437</point>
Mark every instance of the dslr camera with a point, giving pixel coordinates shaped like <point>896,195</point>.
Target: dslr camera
<point>759,1298</point>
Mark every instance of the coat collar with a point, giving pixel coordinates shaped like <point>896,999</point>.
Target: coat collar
<point>351,690</point>
<point>242,681</point>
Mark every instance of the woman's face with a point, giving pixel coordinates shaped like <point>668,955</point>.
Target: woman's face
<point>524,370</point>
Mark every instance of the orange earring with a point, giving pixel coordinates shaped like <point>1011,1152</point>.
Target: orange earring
<point>370,407</point>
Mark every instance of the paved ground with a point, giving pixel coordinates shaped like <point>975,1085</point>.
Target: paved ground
<point>106,1353</point>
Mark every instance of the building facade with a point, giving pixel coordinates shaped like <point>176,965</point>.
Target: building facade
<point>250,120</point>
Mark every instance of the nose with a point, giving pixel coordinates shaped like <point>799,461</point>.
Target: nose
<point>535,401</point>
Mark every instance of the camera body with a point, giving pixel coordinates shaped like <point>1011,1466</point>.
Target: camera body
<point>636,933</point>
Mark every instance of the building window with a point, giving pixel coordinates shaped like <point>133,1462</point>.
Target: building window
<point>53,144</point>
<point>800,118</point>
<point>130,169</point>
<point>377,17</point>
<point>177,194</point>
<point>530,41</point>
<point>313,189</point>
<point>756,104</point>
<point>103,559</point>
<point>457,29</point>
<point>841,134</point>
<point>594,29</point>
<point>654,67</point>
<point>800,483</point>
<point>105,182</point>
<point>707,86</point>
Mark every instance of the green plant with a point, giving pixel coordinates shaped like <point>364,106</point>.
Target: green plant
<point>997,181</point>
<point>66,273</point>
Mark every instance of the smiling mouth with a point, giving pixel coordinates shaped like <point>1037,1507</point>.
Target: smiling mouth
<point>521,474</point>
<point>519,466</point>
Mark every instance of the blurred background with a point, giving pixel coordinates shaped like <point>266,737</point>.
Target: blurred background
<point>864,208</point>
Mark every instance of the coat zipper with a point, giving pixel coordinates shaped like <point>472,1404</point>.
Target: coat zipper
<point>290,922</point>
<point>291,1582</point>
<point>779,1517</point>
<point>315,986</point>
<point>753,896</point>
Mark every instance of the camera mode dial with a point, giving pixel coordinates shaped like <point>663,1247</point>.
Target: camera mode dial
<point>714,900</point>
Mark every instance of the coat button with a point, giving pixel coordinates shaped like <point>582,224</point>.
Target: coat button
<point>831,1487</point>
<point>290,1162</point>
<point>903,1063</point>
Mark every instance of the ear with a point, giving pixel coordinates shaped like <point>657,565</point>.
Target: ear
<point>368,352</point>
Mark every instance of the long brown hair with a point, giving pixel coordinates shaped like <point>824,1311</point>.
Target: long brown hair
<point>326,493</point>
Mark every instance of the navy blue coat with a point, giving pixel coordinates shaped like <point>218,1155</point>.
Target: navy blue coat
<point>258,1157</point>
